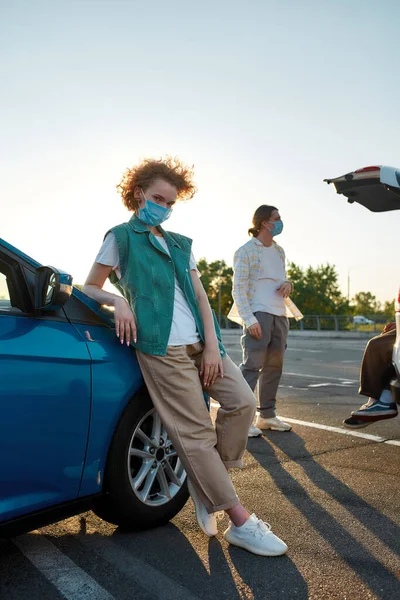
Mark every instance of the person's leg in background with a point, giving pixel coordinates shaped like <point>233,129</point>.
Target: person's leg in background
<point>375,375</point>
<point>253,356</point>
<point>271,373</point>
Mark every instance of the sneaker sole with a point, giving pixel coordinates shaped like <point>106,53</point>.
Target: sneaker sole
<point>249,548</point>
<point>356,426</point>
<point>254,435</point>
<point>272,428</point>
<point>374,417</point>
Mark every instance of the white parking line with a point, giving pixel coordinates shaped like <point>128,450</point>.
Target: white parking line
<point>292,387</point>
<point>393,442</point>
<point>70,580</point>
<point>321,377</point>
<point>330,384</point>
<point>349,361</point>
<point>305,350</point>
<point>365,436</point>
<point>151,579</point>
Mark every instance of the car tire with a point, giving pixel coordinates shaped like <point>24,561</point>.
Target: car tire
<point>140,449</point>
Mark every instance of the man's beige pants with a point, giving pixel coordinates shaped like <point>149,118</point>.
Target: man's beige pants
<point>175,388</point>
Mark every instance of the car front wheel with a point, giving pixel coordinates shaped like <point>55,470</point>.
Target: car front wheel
<point>144,482</point>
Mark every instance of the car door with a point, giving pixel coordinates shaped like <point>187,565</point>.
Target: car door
<point>45,393</point>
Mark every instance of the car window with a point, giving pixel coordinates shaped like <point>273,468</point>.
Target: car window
<point>13,291</point>
<point>5,303</point>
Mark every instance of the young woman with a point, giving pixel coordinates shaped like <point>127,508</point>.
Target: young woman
<point>164,313</point>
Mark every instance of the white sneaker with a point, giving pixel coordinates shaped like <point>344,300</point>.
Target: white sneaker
<point>254,431</point>
<point>207,522</point>
<point>256,537</point>
<point>273,423</point>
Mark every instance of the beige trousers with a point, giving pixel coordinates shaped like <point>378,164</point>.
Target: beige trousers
<point>175,388</point>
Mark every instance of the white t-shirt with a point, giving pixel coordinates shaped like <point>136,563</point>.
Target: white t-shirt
<point>183,329</point>
<point>270,278</point>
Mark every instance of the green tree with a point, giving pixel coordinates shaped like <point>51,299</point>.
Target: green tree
<point>216,278</point>
<point>366,304</point>
<point>388,310</point>
<point>316,290</point>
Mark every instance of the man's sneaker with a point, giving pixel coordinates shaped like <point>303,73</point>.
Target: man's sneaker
<point>256,537</point>
<point>354,423</point>
<point>273,423</point>
<point>375,410</point>
<point>254,431</point>
<point>207,522</point>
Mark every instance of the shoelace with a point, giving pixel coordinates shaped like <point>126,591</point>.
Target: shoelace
<point>260,529</point>
<point>219,515</point>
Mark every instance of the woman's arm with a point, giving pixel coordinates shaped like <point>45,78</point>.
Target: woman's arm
<point>211,364</point>
<point>125,327</point>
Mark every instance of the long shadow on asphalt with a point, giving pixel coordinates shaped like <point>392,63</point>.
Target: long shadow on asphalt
<point>253,569</point>
<point>379,579</point>
<point>159,563</point>
<point>168,551</point>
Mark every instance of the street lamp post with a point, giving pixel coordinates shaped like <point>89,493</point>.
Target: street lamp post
<point>348,283</point>
<point>219,303</point>
<point>219,295</point>
<point>348,287</point>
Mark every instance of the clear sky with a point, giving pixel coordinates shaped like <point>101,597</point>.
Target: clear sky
<point>266,98</point>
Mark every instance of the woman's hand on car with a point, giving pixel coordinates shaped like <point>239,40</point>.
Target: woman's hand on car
<point>125,326</point>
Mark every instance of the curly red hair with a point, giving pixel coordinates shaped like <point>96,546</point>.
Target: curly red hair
<point>148,171</point>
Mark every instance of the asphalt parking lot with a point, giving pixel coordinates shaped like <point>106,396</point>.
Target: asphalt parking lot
<point>333,497</point>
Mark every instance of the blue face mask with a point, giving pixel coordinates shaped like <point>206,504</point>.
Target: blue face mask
<point>153,214</point>
<point>277,228</point>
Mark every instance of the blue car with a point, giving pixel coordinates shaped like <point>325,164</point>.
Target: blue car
<point>78,430</point>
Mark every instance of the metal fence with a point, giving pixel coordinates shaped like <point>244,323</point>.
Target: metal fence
<point>334,323</point>
<point>322,323</point>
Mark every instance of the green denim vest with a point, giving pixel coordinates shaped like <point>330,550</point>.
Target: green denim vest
<point>148,283</point>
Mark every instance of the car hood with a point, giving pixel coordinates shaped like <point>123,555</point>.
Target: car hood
<point>376,188</point>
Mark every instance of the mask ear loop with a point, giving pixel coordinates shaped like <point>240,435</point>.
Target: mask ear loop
<point>269,223</point>
<point>144,197</point>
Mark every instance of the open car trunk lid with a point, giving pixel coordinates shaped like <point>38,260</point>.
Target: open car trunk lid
<point>376,188</point>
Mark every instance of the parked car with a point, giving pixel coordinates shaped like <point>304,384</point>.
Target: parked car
<point>78,430</point>
<point>360,320</point>
<point>378,189</point>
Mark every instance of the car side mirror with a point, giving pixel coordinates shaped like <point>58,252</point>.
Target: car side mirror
<point>52,288</point>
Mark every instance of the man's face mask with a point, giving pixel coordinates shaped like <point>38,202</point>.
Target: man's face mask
<point>277,227</point>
